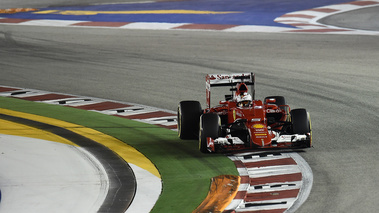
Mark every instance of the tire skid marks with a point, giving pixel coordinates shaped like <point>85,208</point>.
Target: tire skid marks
<point>270,181</point>
<point>307,20</point>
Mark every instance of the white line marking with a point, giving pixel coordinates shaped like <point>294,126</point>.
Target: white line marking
<point>273,170</point>
<point>45,22</point>
<point>151,25</point>
<point>272,187</point>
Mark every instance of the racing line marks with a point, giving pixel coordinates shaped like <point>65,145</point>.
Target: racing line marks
<point>270,181</point>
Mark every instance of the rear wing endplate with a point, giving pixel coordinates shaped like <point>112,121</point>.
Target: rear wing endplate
<point>221,80</point>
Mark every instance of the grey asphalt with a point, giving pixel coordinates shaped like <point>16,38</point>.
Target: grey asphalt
<point>335,77</point>
<point>363,19</point>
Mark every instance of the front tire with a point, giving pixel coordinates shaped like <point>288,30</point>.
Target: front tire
<point>300,121</point>
<point>301,124</point>
<point>188,113</point>
<point>209,127</point>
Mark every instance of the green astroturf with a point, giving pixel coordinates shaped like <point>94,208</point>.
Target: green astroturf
<point>185,171</point>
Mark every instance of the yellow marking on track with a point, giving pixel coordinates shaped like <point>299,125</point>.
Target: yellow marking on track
<point>12,128</point>
<point>125,151</point>
<point>85,12</point>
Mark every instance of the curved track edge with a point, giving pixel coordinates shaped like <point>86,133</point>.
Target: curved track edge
<point>122,183</point>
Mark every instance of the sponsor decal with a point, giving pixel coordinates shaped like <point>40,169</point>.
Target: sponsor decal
<point>223,77</point>
<point>239,114</point>
<point>273,110</point>
<point>258,126</point>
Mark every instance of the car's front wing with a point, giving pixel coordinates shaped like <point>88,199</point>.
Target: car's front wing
<point>229,143</point>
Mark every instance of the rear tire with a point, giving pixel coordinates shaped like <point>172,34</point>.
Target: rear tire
<point>209,127</point>
<point>279,100</point>
<point>189,113</point>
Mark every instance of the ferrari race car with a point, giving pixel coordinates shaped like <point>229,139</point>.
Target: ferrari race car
<point>240,122</point>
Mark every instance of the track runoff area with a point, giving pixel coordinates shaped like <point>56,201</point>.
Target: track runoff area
<point>270,181</point>
<point>57,162</point>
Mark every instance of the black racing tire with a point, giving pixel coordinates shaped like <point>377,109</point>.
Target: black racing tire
<point>300,121</point>
<point>188,119</point>
<point>279,100</point>
<point>209,127</point>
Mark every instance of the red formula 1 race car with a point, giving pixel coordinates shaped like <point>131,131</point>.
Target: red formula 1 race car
<point>240,122</point>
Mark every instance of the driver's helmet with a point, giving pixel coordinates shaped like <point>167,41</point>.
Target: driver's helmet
<point>244,99</point>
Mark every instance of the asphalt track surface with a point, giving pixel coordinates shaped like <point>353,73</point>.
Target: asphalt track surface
<point>356,19</point>
<point>334,77</point>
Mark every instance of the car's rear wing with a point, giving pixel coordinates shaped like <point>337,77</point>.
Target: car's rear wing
<point>220,80</point>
